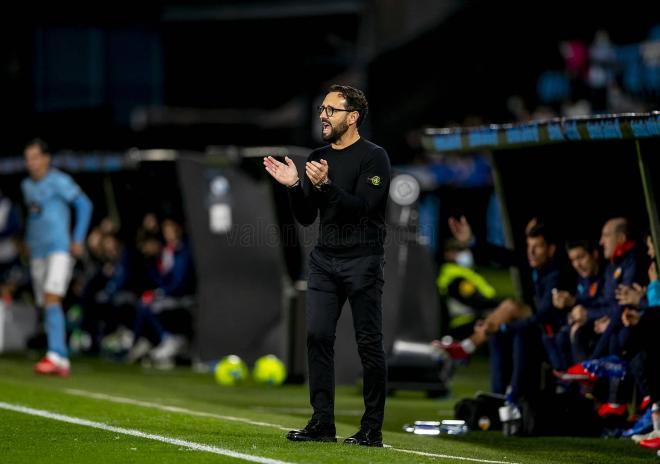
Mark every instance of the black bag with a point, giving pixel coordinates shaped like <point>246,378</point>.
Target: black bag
<point>482,412</point>
<point>566,414</point>
<point>418,366</point>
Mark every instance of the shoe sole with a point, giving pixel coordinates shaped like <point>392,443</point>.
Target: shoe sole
<point>642,437</point>
<point>650,446</point>
<point>568,377</point>
<point>370,445</point>
<point>322,440</point>
<point>627,434</point>
<point>53,373</point>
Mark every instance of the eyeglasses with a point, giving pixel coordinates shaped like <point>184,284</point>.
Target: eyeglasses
<point>329,110</point>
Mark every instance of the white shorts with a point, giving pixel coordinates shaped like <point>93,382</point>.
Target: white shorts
<point>51,275</point>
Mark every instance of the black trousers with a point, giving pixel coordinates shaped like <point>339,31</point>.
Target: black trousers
<point>644,339</point>
<point>331,281</point>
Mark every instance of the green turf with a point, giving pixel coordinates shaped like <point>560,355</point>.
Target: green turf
<point>500,278</point>
<point>29,439</point>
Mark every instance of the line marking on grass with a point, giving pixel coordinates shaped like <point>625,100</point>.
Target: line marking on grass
<point>139,434</point>
<point>278,410</point>
<point>162,407</point>
<point>447,456</point>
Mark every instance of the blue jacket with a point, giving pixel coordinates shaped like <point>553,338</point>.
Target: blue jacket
<point>542,281</point>
<point>621,270</point>
<point>653,293</point>
<point>589,292</point>
<point>179,280</point>
<point>121,276</point>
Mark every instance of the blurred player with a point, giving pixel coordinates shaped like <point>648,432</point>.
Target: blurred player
<point>48,194</point>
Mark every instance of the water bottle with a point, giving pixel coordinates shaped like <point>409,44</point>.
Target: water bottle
<point>510,416</point>
<point>435,428</point>
<point>426,428</point>
<point>655,415</point>
<point>453,427</point>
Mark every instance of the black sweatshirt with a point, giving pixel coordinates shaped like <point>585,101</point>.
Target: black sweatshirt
<point>352,207</point>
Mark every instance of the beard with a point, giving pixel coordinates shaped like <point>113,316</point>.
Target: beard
<point>335,132</point>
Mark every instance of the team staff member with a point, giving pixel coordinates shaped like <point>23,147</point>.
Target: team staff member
<point>346,184</point>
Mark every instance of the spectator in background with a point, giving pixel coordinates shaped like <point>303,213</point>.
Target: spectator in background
<point>90,263</point>
<point>108,227</point>
<point>576,66</point>
<point>49,193</point>
<point>518,109</point>
<point>163,325</point>
<point>602,63</point>
<point>109,296</point>
<point>11,271</point>
<point>149,243</point>
<point>148,237</point>
<point>94,240</point>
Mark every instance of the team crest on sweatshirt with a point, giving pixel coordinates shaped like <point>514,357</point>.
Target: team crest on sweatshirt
<point>375,181</point>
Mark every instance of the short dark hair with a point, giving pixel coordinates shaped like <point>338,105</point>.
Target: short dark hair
<point>588,245</point>
<point>41,143</point>
<point>539,229</point>
<point>355,100</point>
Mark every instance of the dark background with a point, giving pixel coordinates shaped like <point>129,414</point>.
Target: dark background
<point>194,74</point>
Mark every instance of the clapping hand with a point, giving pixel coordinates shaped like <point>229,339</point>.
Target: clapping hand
<point>284,173</point>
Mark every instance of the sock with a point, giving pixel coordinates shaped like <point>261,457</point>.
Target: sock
<point>56,330</point>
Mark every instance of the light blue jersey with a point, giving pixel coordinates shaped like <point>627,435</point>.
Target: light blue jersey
<point>49,202</point>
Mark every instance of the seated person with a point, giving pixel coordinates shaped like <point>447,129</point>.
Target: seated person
<point>622,271</point>
<point>576,339</point>
<point>513,329</point>
<point>464,294</point>
<point>642,344</point>
<point>109,297</point>
<point>163,323</point>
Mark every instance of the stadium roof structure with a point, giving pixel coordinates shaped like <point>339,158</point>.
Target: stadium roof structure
<point>579,170</point>
<point>556,130</point>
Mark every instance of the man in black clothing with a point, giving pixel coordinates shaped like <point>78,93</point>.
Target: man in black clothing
<point>346,184</point>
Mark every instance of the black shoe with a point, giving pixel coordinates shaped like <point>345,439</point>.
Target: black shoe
<point>366,437</point>
<point>314,431</point>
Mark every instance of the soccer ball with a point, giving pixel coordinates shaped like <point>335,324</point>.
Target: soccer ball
<point>269,370</point>
<point>230,370</point>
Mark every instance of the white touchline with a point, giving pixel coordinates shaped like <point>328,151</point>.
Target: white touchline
<point>447,456</point>
<point>277,410</point>
<point>162,407</point>
<point>139,434</point>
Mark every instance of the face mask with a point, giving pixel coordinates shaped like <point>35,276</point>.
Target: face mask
<point>465,258</point>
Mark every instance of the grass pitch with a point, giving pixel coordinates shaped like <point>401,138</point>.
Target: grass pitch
<point>124,414</point>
